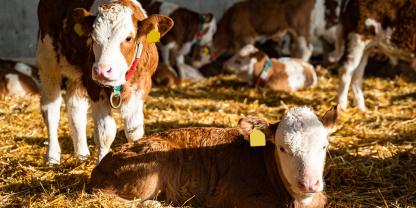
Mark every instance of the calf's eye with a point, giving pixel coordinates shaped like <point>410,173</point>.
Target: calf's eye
<point>128,39</point>
<point>282,149</point>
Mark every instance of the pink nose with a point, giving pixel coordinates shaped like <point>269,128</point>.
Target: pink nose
<point>309,185</point>
<point>101,71</point>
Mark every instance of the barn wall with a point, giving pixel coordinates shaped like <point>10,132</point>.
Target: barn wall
<point>18,23</point>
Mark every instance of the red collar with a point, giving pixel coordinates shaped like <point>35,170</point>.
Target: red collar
<point>133,67</point>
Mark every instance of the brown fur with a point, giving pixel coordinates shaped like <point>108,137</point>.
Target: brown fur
<point>165,76</point>
<point>246,21</point>
<point>213,167</point>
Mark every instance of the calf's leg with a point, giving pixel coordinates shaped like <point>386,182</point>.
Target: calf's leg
<point>50,101</point>
<point>356,47</point>
<point>132,114</point>
<point>305,49</point>
<point>105,128</point>
<point>357,83</point>
<point>77,108</point>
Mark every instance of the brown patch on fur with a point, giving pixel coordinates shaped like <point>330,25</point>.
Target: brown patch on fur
<point>128,49</point>
<point>215,167</point>
<point>165,76</point>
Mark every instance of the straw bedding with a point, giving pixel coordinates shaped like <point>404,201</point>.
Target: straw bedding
<point>371,160</point>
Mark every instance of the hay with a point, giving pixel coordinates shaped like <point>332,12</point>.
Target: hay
<point>371,160</point>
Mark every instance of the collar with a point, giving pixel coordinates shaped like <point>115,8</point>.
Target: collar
<point>115,95</point>
<point>200,32</point>
<point>264,72</point>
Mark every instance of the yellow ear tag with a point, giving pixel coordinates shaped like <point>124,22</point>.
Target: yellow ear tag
<point>78,29</point>
<point>257,138</point>
<point>205,51</point>
<point>153,36</point>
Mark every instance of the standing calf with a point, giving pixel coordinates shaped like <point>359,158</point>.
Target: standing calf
<point>389,26</point>
<point>107,57</point>
<point>216,167</point>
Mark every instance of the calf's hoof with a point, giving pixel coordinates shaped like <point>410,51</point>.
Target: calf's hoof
<point>134,134</point>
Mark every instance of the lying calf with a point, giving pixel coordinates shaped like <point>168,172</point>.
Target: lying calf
<point>18,79</point>
<point>216,167</point>
<point>283,74</point>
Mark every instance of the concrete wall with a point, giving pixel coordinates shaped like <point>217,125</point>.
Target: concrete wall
<point>18,23</point>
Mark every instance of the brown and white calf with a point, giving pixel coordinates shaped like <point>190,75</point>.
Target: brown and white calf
<point>98,53</point>
<point>388,26</point>
<point>283,74</point>
<point>217,167</point>
<point>18,79</point>
<point>190,28</point>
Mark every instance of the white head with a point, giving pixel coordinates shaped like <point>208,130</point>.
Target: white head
<point>116,31</point>
<point>301,141</point>
<point>243,62</point>
<point>208,29</point>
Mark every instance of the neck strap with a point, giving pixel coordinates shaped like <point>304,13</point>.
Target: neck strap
<point>264,71</point>
<point>115,99</point>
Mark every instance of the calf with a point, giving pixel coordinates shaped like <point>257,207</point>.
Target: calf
<point>216,167</point>
<point>283,74</point>
<point>18,79</point>
<point>107,57</point>
<point>389,26</point>
<point>190,28</point>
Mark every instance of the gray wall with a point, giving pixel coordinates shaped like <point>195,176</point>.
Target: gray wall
<point>18,23</point>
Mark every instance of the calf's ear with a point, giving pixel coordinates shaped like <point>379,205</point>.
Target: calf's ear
<point>247,125</point>
<point>83,21</point>
<point>156,22</point>
<point>330,117</point>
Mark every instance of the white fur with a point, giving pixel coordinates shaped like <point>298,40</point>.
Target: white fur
<point>50,95</point>
<point>304,139</point>
<point>242,64</point>
<point>105,128</point>
<point>167,8</point>
<point>14,86</point>
<point>356,50</point>
<point>28,71</point>
<point>133,117</point>
<point>97,3</point>
<point>165,52</point>
<point>77,108</point>
<point>304,48</point>
<point>110,29</point>
<point>208,36</point>
<point>295,73</point>
<point>189,73</point>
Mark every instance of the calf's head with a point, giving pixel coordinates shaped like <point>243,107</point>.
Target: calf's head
<point>208,29</point>
<point>301,141</point>
<point>116,32</point>
<point>245,62</point>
